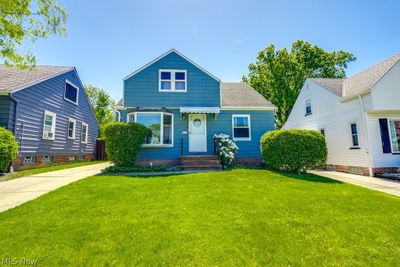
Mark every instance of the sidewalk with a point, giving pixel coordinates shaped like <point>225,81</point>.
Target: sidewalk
<point>17,191</point>
<point>384,185</point>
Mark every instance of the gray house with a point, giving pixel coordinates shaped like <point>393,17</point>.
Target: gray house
<point>49,113</point>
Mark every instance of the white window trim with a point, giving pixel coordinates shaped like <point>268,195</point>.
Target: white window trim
<point>161,128</point>
<point>351,135</point>
<point>233,127</point>
<point>53,125</point>
<point>390,135</point>
<point>74,129</point>
<point>172,90</point>
<point>77,93</point>
<point>87,132</point>
<point>32,160</point>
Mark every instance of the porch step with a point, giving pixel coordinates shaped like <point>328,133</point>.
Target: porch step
<point>203,162</point>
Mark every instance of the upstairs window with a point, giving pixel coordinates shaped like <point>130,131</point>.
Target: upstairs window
<point>241,127</point>
<point>354,135</point>
<point>394,129</point>
<point>308,107</point>
<point>84,133</point>
<point>49,125</point>
<point>172,81</point>
<point>71,92</point>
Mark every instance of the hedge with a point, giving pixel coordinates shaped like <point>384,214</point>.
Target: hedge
<point>293,150</point>
<point>123,142</point>
<point>8,148</point>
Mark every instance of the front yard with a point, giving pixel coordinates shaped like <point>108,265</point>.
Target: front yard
<point>240,217</point>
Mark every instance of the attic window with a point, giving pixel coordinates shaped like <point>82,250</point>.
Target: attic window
<point>71,93</point>
<point>308,107</point>
<point>172,81</point>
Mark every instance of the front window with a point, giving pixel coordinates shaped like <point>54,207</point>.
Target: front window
<point>160,125</point>
<point>394,128</point>
<point>84,133</point>
<point>354,135</point>
<point>71,128</point>
<point>71,92</point>
<point>308,107</point>
<point>241,127</point>
<point>172,80</point>
<point>49,125</point>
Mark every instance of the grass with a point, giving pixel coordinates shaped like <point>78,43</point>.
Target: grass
<point>232,218</point>
<point>49,168</point>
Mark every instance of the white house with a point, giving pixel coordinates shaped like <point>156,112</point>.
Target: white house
<point>359,116</point>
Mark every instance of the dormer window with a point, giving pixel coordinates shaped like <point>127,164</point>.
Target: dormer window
<point>172,81</point>
<point>308,107</point>
<point>71,93</point>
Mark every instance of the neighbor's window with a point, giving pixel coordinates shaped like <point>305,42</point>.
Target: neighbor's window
<point>241,127</point>
<point>29,160</point>
<point>49,125</point>
<point>173,80</point>
<point>71,128</point>
<point>160,125</point>
<point>394,126</point>
<point>84,133</point>
<point>308,107</point>
<point>48,159</point>
<point>354,135</point>
<point>71,92</point>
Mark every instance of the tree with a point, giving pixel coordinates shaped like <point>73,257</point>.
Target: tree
<point>102,103</point>
<point>279,74</point>
<point>27,20</point>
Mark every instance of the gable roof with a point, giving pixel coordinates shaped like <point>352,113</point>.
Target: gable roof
<point>173,50</point>
<point>13,79</point>
<point>242,95</point>
<point>359,82</point>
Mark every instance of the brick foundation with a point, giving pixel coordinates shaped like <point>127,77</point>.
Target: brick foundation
<point>350,169</point>
<point>250,161</point>
<point>386,170</point>
<point>18,164</point>
<point>158,162</point>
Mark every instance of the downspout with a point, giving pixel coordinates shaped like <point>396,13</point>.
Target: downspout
<point>366,135</point>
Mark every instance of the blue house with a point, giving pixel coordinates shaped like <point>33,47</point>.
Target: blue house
<point>49,113</point>
<point>184,106</point>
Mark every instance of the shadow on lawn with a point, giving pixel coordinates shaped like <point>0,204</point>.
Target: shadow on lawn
<point>306,177</point>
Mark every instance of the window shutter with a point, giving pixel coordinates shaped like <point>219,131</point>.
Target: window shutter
<point>383,124</point>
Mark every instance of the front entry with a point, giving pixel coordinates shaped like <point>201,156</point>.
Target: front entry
<point>197,133</point>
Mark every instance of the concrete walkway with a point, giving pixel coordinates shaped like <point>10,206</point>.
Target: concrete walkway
<point>20,190</point>
<point>384,185</point>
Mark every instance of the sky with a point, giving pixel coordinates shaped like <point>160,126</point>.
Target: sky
<point>107,40</point>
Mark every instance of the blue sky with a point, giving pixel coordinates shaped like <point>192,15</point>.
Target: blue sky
<point>107,40</point>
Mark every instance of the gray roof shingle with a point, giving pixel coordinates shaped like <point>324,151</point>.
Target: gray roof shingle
<point>242,95</point>
<point>359,82</point>
<point>12,78</point>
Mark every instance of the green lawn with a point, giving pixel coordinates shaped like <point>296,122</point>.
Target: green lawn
<point>50,168</point>
<point>232,218</point>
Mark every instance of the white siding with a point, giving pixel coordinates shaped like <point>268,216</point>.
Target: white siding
<point>335,117</point>
<point>380,159</point>
<point>386,93</point>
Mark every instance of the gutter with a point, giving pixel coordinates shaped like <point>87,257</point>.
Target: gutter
<point>352,97</point>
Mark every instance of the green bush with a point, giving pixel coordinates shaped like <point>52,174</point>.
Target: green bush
<point>123,142</point>
<point>125,169</point>
<point>8,148</point>
<point>293,150</point>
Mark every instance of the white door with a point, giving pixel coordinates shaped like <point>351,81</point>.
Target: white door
<point>197,133</point>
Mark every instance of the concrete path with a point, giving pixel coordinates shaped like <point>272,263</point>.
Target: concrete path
<point>20,190</point>
<point>384,185</point>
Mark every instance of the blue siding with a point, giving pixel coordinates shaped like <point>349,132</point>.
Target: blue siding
<point>5,106</point>
<point>141,90</point>
<point>49,95</point>
<point>261,122</point>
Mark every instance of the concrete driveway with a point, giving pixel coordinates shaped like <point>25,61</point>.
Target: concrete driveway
<point>384,185</point>
<point>20,190</point>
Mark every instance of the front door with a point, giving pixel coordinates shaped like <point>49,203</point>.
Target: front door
<point>197,133</point>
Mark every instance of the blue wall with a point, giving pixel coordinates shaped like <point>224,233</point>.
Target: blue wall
<point>49,95</point>
<point>5,106</point>
<point>141,90</point>
<point>261,122</point>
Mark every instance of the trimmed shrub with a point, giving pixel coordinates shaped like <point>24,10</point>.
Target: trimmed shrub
<point>293,150</point>
<point>124,141</point>
<point>8,148</point>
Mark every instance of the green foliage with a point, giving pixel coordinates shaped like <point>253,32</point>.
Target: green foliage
<point>126,169</point>
<point>123,142</point>
<point>8,148</point>
<point>293,150</point>
<point>279,74</point>
<point>103,105</point>
<point>26,21</point>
